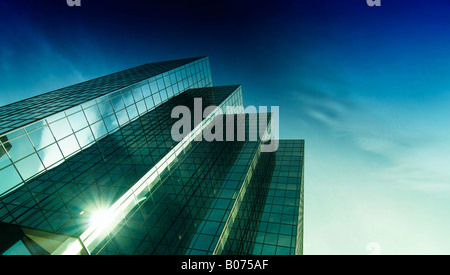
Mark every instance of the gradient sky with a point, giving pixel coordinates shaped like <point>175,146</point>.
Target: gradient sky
<point>366,87</point>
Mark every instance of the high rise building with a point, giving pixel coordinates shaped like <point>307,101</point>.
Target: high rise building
<point>95,168</point>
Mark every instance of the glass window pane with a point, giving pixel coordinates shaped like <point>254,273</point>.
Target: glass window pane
<point>115,94</point>
<point>4,159</point>
<point>61,128</point>
<point>141,107</point>
<point>68,145</point>
<point>178,74</point>
<point>16,133</point>
<point>50,155</point>
<point>167,81</point>
<point>163,95</point>
<point>99,129</point>
<point>41,137</point>
<point>117,103</point>
<point>128,98</point>
<point>19,148</point>
<point>132,111</point>
<point>137,94</point>
<point>268,249</point>
<point>203,242</point>
<point>173,79</point>
<point>146,90</point>
<point>149,103</point>
<point>170,91</point>
<point>122,116</point>
<point>180,86</point>
<point>92,114</point>
<point>156,99</point>
<point>55,117</point>
<point>85,137</point>
<point>153,87</point>
<point>78,121</point>
<point>35,125</point>
<point>29,166</point>
<point>18,249</point>
<point>73,110</point>
<point>10,178</point>
<point>88,104</point>
<point>101,99</point>
<point>105,108</point>
<point>161,84</point>
<point>111,123</point>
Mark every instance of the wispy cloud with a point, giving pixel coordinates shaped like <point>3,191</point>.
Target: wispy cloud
<point>412,157</point>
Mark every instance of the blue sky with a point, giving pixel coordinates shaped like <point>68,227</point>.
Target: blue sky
<point>367,87</point>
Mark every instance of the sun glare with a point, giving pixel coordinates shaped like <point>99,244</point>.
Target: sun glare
<point>100,218</point>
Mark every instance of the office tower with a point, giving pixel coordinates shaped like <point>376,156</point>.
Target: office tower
<point>95,168</point>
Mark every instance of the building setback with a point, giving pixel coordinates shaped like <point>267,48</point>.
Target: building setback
<point>93,169</point>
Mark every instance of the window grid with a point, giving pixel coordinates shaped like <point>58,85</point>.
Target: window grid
<point>106,169</point>
<point>97,119</point>
<point>83,147</point>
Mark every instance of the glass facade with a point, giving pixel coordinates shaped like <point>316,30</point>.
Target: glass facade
<point>34,148</point>
<point>94,167</point>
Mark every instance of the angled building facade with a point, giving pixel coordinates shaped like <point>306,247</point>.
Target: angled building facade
<point>94,169</point>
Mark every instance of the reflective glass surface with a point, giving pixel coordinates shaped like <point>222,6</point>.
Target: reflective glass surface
<point>80,126</point>
<point>45,105</point>
<point>97,161</point>
<point>99,174</point>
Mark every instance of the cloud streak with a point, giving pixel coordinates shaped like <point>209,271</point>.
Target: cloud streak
<point>409,158</point>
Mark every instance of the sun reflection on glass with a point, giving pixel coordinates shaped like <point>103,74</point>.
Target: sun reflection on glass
<point>100,218</point>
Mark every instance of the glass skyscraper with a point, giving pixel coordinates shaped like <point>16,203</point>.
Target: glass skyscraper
<point>94,169</point>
